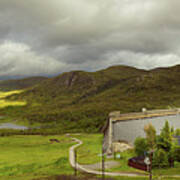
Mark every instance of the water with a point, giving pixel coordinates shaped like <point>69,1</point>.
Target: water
<point>130,130</point>
<point>12,126</point>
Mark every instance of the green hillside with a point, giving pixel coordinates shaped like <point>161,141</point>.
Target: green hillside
<point>81,101</point>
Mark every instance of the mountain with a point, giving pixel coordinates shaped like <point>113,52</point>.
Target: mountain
<point>81,101</point>
<point>20,83</point>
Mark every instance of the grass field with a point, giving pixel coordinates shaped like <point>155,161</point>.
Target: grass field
<point>34,157</point>
<point>27,157</point>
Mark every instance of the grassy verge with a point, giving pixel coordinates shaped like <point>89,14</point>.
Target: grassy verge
<point>168,171</point>
<point>146,178</point>
<point>91,177</point>
<point>123,163</point>
<point>90,151</point>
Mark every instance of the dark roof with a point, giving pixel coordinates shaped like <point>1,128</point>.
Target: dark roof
<point>138,163</point>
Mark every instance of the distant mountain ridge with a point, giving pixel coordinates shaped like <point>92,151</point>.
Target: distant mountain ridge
<point>81,100</point>
<point>15,84</point>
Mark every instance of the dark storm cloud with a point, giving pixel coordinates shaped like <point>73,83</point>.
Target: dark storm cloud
<point>47,37</point>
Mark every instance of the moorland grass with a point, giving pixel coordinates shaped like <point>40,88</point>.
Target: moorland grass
<point>27,157</point>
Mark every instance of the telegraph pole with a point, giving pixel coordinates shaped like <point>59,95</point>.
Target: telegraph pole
<point>150,166</point>
<point>148,162</point>
<point>103,162</point>
<point>75,159</point>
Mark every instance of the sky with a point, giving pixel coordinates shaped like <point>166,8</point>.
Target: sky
<point>46,37</point>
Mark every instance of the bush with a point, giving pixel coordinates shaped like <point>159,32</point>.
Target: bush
<point>177,132</point>
<point>177,153</point>
<point>166,138</point>
<point>141,146</point>
<point>160,158</point>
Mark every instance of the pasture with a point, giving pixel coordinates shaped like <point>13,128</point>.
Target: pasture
<point>29,157</point>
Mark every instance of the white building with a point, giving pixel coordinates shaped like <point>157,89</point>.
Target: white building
<point>127,127</point>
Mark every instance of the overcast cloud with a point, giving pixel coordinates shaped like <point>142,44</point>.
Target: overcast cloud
<point>49,37</point>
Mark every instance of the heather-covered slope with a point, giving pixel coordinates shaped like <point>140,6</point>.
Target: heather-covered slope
<point>81,100</point>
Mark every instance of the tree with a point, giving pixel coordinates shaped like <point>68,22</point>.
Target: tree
<point>177,132</point>
<point>166,137</point>
<point>160,158</point>
<point>141,146</point>
<point>150,136</point>
<point>165,142</point>
<point>177,153</point>
<point>172,130</point>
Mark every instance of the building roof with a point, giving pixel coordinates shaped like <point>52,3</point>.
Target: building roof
<point>143,115</point>
<point>117,116</point>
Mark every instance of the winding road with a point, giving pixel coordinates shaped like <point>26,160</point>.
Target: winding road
<point>95,172</point>
<point>90,171</point>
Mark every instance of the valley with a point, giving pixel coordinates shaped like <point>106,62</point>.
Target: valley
<point>76,102</point>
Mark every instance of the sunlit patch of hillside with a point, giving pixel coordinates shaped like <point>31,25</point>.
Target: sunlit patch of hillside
<point>9,93</point>
<point>4,103</point>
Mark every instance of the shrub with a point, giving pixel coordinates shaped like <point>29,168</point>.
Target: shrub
<point>177,153</point>
<point>166,137</point>
<point>160,158</point>
<point>177,132</point>
<point>141,146</point>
